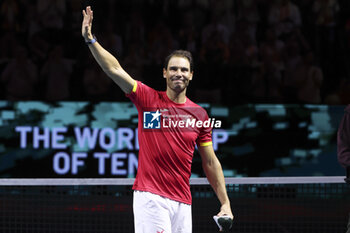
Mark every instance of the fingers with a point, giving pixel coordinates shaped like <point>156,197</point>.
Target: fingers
<point>222,213</point>
<point>88,12</point>
<point>225,210</point>
<point>87,22</point>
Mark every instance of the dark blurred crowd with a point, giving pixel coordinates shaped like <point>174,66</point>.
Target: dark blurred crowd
<point>245,51</point>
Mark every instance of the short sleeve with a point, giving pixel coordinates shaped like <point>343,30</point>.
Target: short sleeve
<point>141,95</point>
<point>205,134</point>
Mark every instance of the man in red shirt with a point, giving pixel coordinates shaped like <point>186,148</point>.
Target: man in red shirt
<point>170,125</point>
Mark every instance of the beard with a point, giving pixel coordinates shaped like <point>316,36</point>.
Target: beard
<point>178,84</point>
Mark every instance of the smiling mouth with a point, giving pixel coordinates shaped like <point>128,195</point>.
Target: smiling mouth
<point>178,82</point>
<point>176,79</point>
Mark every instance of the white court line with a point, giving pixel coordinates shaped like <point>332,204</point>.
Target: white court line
<point>193,181</point>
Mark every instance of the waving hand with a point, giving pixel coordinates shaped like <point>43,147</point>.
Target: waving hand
<point>87,23</point>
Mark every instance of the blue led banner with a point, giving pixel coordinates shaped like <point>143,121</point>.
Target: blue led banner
<point>82,139</point>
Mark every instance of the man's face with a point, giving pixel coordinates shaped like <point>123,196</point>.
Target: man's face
<point>178,74</point>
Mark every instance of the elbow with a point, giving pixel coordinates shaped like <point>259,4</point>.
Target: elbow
<point>208,163</point>
<point>109,70</point>
<point>212,164</point>
<point>113,73</point>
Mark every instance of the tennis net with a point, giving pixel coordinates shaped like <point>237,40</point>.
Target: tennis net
<point>271,204</point>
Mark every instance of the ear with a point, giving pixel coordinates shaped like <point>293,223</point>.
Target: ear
<point>164,73</point>
<point>190,76</point>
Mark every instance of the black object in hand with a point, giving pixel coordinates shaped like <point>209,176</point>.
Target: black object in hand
<point>224,222</point>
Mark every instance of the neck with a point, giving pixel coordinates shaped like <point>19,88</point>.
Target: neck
<point>177,97</point>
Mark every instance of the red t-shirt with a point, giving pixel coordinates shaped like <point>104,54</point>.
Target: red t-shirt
<point>166,152</point>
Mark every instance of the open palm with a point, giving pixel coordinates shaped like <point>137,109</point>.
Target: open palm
<point>87,23</point>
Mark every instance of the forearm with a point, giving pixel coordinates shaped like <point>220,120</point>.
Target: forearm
<point>215,176</point>
<point>111,67</point>
<point>106,60</point>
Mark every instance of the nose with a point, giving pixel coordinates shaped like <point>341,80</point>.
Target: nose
<point>178,72</point>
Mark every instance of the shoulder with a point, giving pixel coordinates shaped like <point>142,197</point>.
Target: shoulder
<point>142,88</point>
<point>141,85</point>
<point>143,95</point>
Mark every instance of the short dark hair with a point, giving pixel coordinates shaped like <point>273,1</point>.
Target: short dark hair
<point>179,53</point>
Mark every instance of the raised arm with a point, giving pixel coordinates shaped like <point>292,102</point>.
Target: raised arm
<point>107,61</point>
<point>213,171</point>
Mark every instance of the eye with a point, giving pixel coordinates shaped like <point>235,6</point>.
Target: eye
<point>184,69</point>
